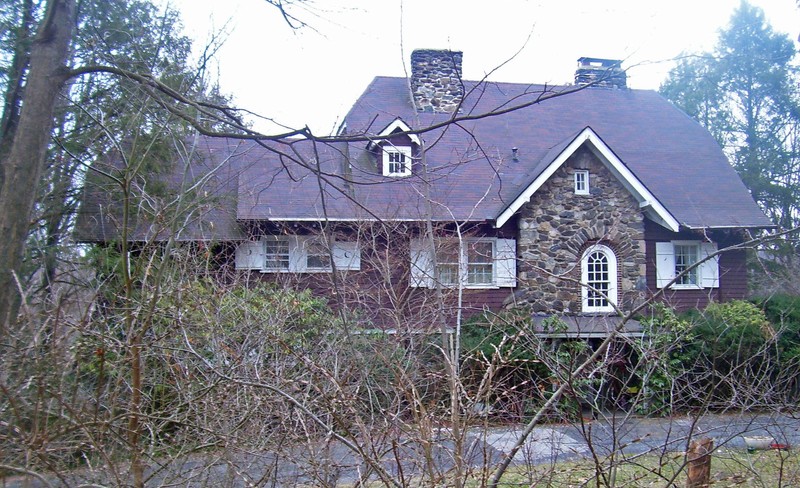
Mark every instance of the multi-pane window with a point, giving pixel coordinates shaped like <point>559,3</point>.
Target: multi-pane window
<point>676,257</point>
<point>476,263</point>
<point>485,262</point>
<point>480,261</point>
<point>581,182</point>
<point>317,256</point>
<point>599,279</point>
<point>297,254</point>
<point>397,161</point>
<point>686,256</point>
<point>276,253</point>
<point>447,260</point>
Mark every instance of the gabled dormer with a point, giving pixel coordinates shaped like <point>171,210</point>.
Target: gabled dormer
<point>395,150</point>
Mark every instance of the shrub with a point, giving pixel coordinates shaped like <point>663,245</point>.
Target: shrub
<point>665,358</point>
<point>733,332</point>
<point>501,354</point>
<point>783,312</point>
<point>736,354</point>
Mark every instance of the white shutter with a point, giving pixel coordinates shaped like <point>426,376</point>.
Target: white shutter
<point>709,270</point>
<point>420,264</point>
<point>297,254</point>
<point>505,262</point>
<point>346,255</point>
<point>665,263</point>
<point>250,255</point>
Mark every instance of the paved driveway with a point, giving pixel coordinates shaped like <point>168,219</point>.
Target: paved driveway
<point>635,435</point>
<point>331,463</point>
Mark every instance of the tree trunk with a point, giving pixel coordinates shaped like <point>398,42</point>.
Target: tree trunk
<point>699,459</point>
<point>12,102</point>
<point>26,157</point>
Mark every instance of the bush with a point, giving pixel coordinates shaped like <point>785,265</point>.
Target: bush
<point>737,356</point>
<point>783,312</point>
<point>732,333</point>
<point>501,354</point>
<point>665,358</point>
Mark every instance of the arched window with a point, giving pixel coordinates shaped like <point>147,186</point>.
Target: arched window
<point>599,279</point>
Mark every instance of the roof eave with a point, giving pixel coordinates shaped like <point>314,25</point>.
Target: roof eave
<point>357,219</point>
<point>729,227</point>
<point>389,130</point>
<point>647,200</point>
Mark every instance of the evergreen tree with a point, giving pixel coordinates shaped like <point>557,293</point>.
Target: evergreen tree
<point>98,109</point>
<point>745,93</point>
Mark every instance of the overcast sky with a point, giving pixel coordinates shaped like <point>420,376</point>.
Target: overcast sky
<point>311,76</point>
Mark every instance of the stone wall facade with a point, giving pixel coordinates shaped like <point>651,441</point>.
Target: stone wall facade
<point>436,80</point>
<point>558,225</point>
<point>607,73</point>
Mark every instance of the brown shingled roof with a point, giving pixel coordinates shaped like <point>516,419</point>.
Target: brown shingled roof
<point>472,171</point>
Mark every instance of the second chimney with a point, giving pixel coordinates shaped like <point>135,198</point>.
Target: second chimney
<point>601,72</point>
<point>436,80</point>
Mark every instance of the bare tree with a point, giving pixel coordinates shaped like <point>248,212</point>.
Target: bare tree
<point>179,369</point>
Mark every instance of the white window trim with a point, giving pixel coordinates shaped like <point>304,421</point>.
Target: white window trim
<point>612,278</point>
<point>707,271</point>
<point>290,243</point>
<point>252,255</point>
<point>404,150</point>
<point>397,125</point>
<point>463,264</point>
<point>584,190</point>
<point>654,209</point>
<point>304,248</point>
<point>697,270</point>
<point>504,267</point>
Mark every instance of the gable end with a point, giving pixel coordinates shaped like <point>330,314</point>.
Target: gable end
<point>647,201</point>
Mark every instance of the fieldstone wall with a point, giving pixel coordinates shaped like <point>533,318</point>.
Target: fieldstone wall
<point>436,80</point>
<point>557,225</point>
<point>607,73</point>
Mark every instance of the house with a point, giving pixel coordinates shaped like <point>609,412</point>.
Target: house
<point>576,200</point>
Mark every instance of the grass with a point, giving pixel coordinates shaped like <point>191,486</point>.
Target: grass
<point>729,468</point>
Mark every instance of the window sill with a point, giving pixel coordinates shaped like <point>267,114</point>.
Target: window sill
<point>286,271</point>
<point>685,287</point>
<point>465,287</point>
<point>596,311</point>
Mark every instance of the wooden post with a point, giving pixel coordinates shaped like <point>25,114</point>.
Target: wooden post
<point>699,462</point>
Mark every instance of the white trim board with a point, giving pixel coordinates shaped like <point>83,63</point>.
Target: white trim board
<point>394,126</point>
<point>647,201</point>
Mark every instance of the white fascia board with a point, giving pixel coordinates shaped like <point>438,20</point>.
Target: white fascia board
<point>353,219</point>
<point>728,227</point>
<point>631,182</point>
<point>545,175</point>
<point>588,335</point>
<point>397,124</point>
<point>614,164</point>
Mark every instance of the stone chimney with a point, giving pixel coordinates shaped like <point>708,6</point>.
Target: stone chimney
<point>436,80</point>
<point>607,73</point>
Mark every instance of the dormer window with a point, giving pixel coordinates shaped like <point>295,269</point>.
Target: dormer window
<point>396,161</point>
<point>393,148</point>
